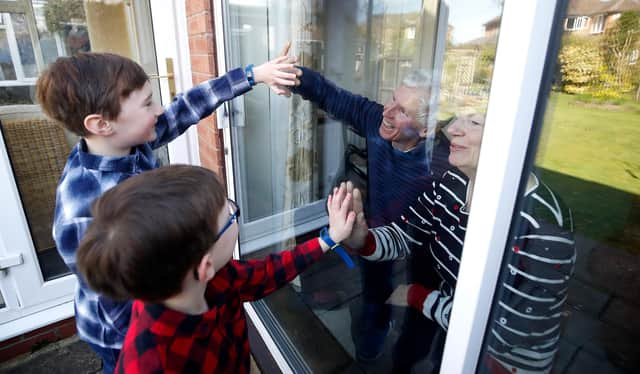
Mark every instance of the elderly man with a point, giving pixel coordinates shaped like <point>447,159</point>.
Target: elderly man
<point>398,162</point>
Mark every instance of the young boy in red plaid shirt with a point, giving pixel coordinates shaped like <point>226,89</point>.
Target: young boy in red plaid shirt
<point>166,238</point>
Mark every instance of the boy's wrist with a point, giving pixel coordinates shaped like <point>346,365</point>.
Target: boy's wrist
<point>326,238</point>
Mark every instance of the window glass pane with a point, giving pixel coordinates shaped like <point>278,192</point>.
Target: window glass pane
<point>7,71</point>
<point>25,47</point>
<point>566,299</point>
<point>290,153</point>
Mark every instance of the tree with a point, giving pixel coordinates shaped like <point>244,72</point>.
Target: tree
<point>620,42</point>
<point>581,65</point>
<point>59,13</point>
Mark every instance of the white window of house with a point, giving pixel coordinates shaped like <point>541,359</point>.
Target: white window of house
<point>597,26</point>
<point>576,23</point>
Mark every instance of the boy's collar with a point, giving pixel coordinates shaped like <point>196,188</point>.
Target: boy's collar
<point>169,322</point>
<point>125,164</point>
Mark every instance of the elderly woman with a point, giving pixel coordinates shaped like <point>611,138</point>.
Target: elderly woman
<point>524,331</point>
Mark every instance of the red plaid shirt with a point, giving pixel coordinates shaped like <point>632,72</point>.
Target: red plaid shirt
<point>162,340</point>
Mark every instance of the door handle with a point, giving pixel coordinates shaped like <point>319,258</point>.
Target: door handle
<point>170,77</point>
<point>10,261</point>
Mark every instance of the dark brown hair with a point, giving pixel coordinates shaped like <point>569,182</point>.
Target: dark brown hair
<point>149,231</point>
<point>89,83</point>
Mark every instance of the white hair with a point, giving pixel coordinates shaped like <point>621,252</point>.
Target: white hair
<point>420,79</point>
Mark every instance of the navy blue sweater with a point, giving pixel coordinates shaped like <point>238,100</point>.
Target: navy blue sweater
<point>396,178</point>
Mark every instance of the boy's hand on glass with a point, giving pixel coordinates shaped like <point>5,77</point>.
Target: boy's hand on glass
<point>360,229</point>
<point>341,217</point>
<point>279,73</point>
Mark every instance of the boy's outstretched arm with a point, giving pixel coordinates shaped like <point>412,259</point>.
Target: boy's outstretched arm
<point>190,107</point>
<point>256,279</point>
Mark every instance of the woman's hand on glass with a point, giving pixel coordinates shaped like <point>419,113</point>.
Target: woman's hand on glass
<point>360,229</point>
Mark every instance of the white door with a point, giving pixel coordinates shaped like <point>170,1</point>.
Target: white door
<point>36,288</point>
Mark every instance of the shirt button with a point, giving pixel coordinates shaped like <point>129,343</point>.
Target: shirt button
<point>452,228</point>
<point>503,321</point>
<point>450,258</point>
<point>438,197</point>
<point>513,272</point>
<point>438,267</point>
<point>529,309</point>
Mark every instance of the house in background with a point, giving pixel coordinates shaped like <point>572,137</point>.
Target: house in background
<point>595,16</point>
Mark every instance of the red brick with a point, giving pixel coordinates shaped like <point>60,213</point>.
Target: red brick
<point>199,23</point>
<point>201,44</point>
<point>27,344</point>
<point>7,353</point>
<point>202,63</point>
<point>198,78</point>
<point>66,330</point>
<point>195,6</point>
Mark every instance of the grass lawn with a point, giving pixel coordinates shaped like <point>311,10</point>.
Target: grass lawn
<point>591,156</point>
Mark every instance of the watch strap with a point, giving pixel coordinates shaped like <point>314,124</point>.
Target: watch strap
<point>337,247</point>
<point>250,77</point>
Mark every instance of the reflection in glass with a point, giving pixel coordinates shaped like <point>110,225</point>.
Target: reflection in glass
<point>25,47</point>
<point>7,71</point>
<point>288,155</point>
<point>61,31</point>
<point>587,156</point>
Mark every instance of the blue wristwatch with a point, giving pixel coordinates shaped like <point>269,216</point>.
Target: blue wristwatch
<point>324,234</point>
<point>249,72</point>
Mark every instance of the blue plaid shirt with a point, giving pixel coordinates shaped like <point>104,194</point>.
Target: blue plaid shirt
<point>85,177</point>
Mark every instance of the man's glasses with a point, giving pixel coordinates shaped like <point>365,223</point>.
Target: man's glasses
<point>234,214</point>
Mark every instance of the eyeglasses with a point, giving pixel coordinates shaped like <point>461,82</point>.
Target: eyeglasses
<point>234,212</point>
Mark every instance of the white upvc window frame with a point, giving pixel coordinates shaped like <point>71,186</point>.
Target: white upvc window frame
<point>522,48</point>
<point>521,54</point>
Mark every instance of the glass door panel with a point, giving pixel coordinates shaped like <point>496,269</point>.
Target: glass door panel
<point>288,154</point>
<point>566,300</point>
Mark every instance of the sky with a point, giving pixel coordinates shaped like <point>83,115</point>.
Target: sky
<point>466,16</point>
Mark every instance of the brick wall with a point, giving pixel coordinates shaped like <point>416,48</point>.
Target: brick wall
<point>33,340</point>
<point>203,66</point>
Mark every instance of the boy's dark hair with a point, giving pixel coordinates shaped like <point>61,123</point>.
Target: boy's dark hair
<point>89,83</point>
<point>149,231</point>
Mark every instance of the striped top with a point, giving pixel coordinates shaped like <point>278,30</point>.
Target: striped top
<point>524,329</point>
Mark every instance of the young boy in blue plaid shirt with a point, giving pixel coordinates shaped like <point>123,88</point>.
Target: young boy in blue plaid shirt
<point>106,99</point>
